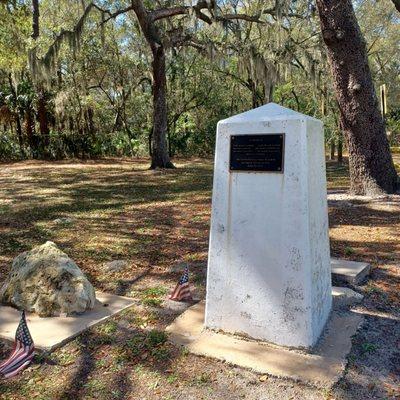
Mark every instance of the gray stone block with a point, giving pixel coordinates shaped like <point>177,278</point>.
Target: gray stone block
<point>353,272</point>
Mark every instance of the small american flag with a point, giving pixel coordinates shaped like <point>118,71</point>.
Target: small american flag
<point>22,353</point>
<point>182,289</point>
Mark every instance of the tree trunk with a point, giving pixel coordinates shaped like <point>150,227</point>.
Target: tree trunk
<point>159,157</point>
<point>17,116</point>
<point>35,19</point>
<point>254,95</point>
<point>43,122</point>
<point>91,127</point>
<point>340,150</point>
<point>30,132</point>
<point>371,166</point>
<point>332,155</point>
<point>150,140</point>
<point>19,134</point>
<point>44,140</point>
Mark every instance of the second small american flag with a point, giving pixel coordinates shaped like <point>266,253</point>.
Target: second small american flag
<point>182,289</point>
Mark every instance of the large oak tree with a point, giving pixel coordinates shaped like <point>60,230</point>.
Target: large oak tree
<point>148,18</point>
<point>371,166</point>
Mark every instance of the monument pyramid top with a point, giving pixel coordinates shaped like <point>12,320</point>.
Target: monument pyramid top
<point>267,112</point>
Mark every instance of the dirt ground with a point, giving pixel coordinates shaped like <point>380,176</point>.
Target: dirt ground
<point>158,220</point>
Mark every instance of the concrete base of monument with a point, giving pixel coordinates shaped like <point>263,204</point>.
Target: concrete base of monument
<point>322,367</point>
<point>51,333</point>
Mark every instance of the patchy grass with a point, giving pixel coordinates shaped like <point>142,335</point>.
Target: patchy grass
<point>156,220</point>
<point>369,347</point>
<point>337,175</point>
<point>153,296</point>
<point>153,219</point>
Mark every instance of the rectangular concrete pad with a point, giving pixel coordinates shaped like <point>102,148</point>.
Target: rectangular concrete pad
<point>322,369</point>
<point>353,272</point>
<point>51,333</point>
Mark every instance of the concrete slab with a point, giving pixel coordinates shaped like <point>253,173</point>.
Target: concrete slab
<point>344,296</point>
<point>322,368</point>
<point>51,333</point>
<point>353,272</point>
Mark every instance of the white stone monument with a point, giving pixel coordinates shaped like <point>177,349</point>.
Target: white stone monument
<point>269,275</point>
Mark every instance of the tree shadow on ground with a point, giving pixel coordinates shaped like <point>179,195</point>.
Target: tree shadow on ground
<point>117,212</point>
<point>367,231</point>
<point>362,214</point>
<point>156,220</point>
<point>373,370</point>
<point>128,348</point>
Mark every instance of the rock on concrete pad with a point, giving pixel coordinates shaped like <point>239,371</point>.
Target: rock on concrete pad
<point>323,368</point>
<point>350,271</point>
<point>46,281</point>
<point>51,333</point>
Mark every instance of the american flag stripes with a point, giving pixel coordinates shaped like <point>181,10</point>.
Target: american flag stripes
<point>182,289</point>
<point>22,353</point>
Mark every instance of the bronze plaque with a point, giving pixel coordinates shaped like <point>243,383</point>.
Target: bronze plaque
<point>261,152</point>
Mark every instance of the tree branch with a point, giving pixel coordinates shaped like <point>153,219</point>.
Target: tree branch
<point>168,12</point>
<point>245,17</point>
<point>273,12</point>
<point>182,10</point>
<point>115,14</point>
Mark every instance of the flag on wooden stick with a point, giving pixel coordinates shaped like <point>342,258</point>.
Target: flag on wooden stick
<point>182,289</point>
<point>22,353</point>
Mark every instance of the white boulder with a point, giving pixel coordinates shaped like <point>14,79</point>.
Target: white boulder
<point>46,281</point>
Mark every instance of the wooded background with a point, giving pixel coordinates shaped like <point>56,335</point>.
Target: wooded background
<point>133,78</point>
